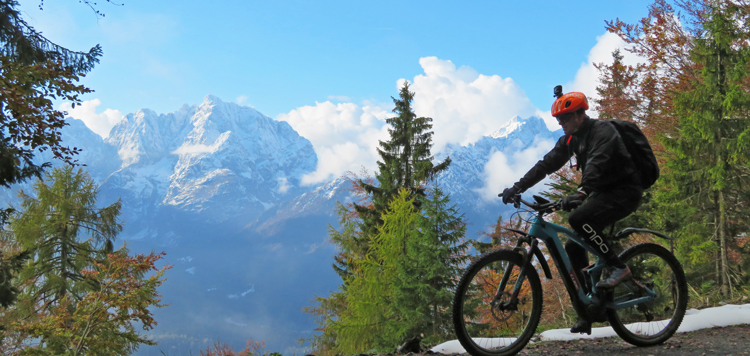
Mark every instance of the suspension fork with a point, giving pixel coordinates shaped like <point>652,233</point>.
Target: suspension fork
<point>527,256</point>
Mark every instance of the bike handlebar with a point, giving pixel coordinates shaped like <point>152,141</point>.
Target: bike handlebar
<point>541,204</point>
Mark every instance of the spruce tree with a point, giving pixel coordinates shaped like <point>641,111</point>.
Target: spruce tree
<point>435,259</point>
<point>405,160</point>
<point>709,165</point>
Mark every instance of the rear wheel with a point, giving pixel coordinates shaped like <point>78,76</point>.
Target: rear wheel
<point>656,320</point>
<point>504,326</point>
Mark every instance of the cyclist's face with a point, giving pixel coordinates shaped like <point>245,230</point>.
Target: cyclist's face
<point>570,122</point>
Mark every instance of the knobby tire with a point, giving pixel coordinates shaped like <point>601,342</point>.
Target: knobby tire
<point>653,322</point>
<point>486,331</point>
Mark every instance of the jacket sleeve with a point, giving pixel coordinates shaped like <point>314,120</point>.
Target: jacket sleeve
<point>551,162</point>
<point>601,151</point>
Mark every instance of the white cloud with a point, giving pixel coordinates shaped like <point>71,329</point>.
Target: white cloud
<point>464,104</point>
<point>345,136</point>
<point>100,123</point>
<point>497,176</point>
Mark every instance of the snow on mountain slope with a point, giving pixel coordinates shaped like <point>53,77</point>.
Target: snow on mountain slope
<point>219,159</point>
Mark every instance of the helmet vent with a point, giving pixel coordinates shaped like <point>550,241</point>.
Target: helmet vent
<point>567,104</point>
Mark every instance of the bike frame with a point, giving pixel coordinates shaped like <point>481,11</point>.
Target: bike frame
<point>548,232</point>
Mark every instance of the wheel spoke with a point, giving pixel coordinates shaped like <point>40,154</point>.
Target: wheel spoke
<point>490,324</point>
<point>657,319</point>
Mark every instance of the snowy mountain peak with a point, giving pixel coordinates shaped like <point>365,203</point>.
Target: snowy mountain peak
<point>513,124</point>
<point>210,98</point>
<point>217,157</point>
<point>533,125</point>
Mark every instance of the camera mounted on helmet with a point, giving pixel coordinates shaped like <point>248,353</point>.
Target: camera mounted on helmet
<point>558,91</point>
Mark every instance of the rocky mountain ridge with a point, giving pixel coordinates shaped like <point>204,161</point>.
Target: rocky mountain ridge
<point>217,186</point>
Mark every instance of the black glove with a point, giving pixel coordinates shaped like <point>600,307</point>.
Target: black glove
<point>510,195</point>
<point>573,201</point>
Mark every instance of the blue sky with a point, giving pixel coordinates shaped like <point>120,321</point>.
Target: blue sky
<point>329,68</point>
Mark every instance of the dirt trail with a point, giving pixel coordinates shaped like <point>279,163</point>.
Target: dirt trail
<point>730,340</point>
<point>724,341</point>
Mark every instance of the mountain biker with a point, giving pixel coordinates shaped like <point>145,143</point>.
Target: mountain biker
<point>609,191</point>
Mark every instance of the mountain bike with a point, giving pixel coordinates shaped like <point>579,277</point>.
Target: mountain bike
<point>497,304</point>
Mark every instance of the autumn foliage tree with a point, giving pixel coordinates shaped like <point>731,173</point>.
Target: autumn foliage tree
<point>75,294</point>
<point>663,41</point>
<point>618,97</point>
<point>34,72</point>
<point>103,321</point>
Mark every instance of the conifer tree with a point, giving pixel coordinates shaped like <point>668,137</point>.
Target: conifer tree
<point>436,258</point>
<point>406,163</point>
<point>405,159</point>
<point>708,172</point>
<point>372,318</point>
<point>65,232</point>
<point>34,71</point>
<point>399,250</point>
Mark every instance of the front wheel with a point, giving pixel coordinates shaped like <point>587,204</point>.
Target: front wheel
<point>487,325</point>
<point>656,320</point>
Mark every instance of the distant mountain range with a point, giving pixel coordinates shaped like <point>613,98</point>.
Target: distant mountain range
<point>217,186</point>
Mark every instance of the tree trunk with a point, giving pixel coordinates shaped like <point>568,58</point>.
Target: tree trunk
<point>724,263</point>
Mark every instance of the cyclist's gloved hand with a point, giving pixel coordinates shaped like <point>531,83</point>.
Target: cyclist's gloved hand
<point>510,195</point>
<point>573,201</point>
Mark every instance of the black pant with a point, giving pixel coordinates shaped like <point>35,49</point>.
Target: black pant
<point>600,210</point>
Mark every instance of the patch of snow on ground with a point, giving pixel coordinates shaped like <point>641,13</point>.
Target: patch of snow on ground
<point>694,320</point>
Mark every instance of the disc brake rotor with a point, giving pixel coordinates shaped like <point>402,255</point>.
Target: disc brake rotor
<point>503,307</point>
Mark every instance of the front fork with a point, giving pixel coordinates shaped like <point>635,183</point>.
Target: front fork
<point>512,302</point>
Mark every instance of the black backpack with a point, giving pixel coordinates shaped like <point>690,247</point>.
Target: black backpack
<point>640,151</point>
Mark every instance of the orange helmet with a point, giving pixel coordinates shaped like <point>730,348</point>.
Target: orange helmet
<point>570,102</point>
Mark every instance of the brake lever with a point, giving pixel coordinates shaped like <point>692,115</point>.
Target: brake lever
<point>517,201</point>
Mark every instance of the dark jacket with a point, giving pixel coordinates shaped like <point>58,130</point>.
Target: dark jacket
<point>600,153</point>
